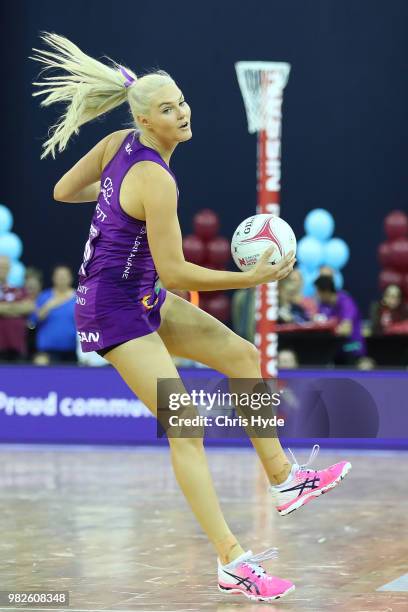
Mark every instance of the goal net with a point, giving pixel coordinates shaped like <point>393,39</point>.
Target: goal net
<point>262,85</point>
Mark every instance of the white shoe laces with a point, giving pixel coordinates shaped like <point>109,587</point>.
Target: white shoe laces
<point>313,454</point>
<point>253,560</point>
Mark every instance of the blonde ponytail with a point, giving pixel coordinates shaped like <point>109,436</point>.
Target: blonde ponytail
<point>89,88</point>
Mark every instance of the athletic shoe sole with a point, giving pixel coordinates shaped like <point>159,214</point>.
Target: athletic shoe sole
<point>309,496</point>
<point>253,597</point>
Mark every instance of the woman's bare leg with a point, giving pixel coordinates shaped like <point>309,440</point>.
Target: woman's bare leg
<point>140,363</point>
<point>188,331</point>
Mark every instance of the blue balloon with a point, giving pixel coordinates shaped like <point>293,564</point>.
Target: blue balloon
<point>336,253</point>
<point>11,245</point>
<point>309,277</point>
<point>310,253</point>
<point>319,224</point>
<point>338,280</point>
<point>309,290</point>
<point>6,219</point>
<point>17,274</point>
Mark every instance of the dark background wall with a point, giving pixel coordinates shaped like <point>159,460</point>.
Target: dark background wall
<point>344,115</point>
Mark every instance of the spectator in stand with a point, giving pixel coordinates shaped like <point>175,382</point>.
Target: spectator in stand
<point>292,300</point>
<point>33,284</point>
<point>291,309</point>
<point>41,359</point>
<point>389,310</point>
<point>366,363</point>
<point>243,313</point>
<point>326,271</point>
<point>341,306</point>
<point>287,360</point>
<point>56,331</point>
<point>15,306</point>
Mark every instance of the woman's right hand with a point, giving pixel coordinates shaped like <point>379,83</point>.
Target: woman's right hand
<point>265,272</point>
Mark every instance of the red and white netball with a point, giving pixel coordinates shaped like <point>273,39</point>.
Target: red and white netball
<point>257,233</point>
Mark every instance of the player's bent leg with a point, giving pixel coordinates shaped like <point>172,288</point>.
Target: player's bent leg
<point>190,332</point>
<point>140,362</point>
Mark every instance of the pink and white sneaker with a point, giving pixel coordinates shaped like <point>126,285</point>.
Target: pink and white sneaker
<point>245,576</point>
<point>303,485</point>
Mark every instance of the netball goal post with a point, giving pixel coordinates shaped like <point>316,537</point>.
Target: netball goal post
<point>262,85</point>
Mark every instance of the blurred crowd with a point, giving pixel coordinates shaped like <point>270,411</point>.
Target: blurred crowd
<point>37,323</point>
<point>330,309</point>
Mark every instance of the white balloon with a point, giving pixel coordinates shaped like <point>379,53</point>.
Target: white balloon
<point>256,234</point>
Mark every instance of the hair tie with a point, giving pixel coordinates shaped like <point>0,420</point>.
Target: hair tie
<point>129,79</point>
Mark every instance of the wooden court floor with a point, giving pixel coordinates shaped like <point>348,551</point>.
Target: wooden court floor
<point>110,526</point>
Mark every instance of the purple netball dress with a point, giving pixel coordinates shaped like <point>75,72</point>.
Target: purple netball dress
<point>117,298</point>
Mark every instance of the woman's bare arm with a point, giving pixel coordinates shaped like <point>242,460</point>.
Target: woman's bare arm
<point>159,196</point>
<point>82,182</point>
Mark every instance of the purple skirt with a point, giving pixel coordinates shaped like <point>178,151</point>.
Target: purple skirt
<point>105,315</point>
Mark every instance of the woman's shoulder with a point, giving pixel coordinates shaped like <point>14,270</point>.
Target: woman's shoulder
<point>147,179</point>
<point>113,144</point>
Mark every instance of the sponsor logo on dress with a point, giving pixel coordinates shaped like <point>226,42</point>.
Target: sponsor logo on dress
<point>145,301</point>
<point>107,189</point>
<point>100,215</point>
<point>80,300</point>
<point>88,336</point>
<point>128,148</point>
<point>133,251</point>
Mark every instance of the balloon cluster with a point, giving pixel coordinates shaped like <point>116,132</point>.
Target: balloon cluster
<point>318,248</point>
<point>206,248</point>
<point>393,254</point>
<point>12,247</point>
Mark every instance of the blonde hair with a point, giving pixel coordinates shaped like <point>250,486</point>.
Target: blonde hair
<point>89,88</point>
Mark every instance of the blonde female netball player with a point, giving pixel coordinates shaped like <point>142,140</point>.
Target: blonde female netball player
<point>135,238</point>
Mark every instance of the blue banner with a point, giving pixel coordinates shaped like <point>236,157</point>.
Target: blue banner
<point>94,406</point>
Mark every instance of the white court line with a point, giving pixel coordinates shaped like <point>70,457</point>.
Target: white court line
<point>399,584</point>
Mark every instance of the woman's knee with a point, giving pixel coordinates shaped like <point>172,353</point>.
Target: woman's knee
<point>183,445</point>
<point>245,355</point>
